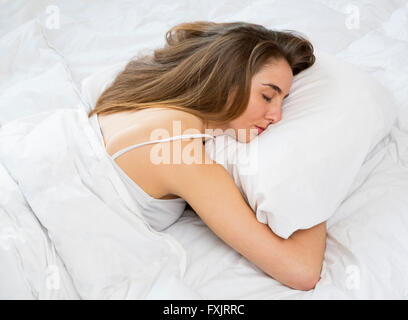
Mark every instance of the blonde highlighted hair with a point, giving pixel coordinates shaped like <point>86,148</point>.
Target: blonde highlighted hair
<point>199,65</point>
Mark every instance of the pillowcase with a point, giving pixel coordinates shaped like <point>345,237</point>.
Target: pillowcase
<point>296,173</point>
<point>93,86</point>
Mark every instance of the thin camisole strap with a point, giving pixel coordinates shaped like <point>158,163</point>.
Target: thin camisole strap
<point>185,136</point>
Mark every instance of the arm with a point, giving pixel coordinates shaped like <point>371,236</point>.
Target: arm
<point>309,246</point>
<point>212,193</point>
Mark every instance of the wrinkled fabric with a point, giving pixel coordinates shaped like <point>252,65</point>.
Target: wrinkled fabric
<point>47,48</point>
<point>106,246</point>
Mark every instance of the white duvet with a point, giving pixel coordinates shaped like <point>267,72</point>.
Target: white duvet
<point>68,228</point>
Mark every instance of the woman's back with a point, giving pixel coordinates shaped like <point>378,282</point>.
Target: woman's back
<point>123,129</point>
<point>127,139</point>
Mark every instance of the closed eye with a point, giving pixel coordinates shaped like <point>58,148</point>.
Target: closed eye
<point>266,98</point>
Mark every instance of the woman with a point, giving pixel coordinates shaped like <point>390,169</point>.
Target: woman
<point>209,76</point>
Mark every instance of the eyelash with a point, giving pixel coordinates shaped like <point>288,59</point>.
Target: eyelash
<point>266,98</point>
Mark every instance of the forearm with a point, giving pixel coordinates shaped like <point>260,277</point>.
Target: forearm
<point>299,258</point>
<point>305,250</point>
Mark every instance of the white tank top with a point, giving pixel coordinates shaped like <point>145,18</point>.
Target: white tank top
<point>159,213</point>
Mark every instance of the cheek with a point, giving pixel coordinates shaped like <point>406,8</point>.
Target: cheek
<point>255,111</point>
<point>247,118</point>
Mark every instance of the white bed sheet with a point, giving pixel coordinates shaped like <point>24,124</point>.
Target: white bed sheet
<point>47,49</point>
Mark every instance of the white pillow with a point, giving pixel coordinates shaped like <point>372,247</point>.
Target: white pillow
<point>297,172</point>
<point>93,86</point>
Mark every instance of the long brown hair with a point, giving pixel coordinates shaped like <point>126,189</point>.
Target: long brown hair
<point>199,65</point>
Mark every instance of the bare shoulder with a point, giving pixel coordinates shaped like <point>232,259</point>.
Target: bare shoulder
<point>147,164</point>
<point>145,125</point>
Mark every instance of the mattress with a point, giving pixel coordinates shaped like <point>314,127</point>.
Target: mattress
<point>48,49</point>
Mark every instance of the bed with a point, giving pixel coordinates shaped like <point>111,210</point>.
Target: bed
<point>48,49</point>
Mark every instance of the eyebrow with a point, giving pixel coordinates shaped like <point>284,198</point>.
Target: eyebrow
<point>275,87</point>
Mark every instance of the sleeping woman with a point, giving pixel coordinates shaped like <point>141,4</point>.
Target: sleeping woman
<point>209,77</point>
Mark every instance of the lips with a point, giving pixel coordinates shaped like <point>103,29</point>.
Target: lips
<point>260,129</point>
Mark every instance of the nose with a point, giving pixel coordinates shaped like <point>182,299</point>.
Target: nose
<point>274,113</point>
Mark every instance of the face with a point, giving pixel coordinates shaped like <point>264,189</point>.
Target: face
<point>268,89</point>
